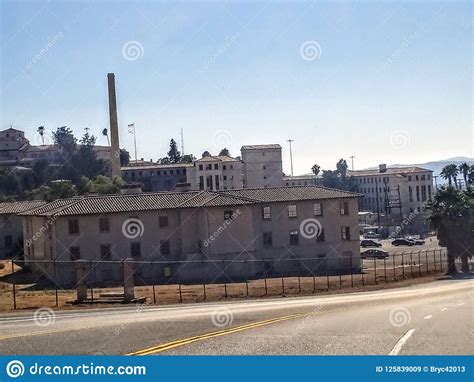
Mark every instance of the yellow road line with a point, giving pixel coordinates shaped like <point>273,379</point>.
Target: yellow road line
<point>185,341</point>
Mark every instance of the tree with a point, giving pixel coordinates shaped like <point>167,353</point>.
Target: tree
<point>471,175</point>
<point>188,158</point>
<point>316,169</point>
<point>206,154</point>
<point>174,155</point>
<point>41,133</point>
<point>59,189</point>
<point>105,185</point>
<point>224,152</point>
<point>341,167</point>
<point>65,139</point>
<point>450,172</point>
<point>452,215</point>
<point>124,157</point>
<point>105,133</point>
<point>464,170</point>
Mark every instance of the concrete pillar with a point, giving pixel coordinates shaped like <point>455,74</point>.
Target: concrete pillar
<point>114,135</point>
<point>128,282</point>
<point>81,275</point>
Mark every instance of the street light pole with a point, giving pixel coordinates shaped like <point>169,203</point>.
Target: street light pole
<point>291,155</point>
<point>352,159</point>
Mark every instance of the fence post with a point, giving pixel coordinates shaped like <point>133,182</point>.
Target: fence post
<point>327,279</point>
<point>299,276</point>
<point>282,284</point>
<point>128,280</point>
<point>434,260</point>
<point>385,269</point>
<point>411,264</point>
<point>93,280</point>
<point>340,273</point>
<point>246,277</point>
<point>362,273</point>
<point>14,285</point>
<point>394,268</point>
<point>55,283</point>
<point>375,270</point>
<point>265,276</point>
<point>419,263</point>
<point>426,258</point>
<point>403,266</point>
<point>352,272</point>
<point>225,278</point>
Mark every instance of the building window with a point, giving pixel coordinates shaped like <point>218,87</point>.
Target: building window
<point>75,253</point>
<point>209,182</point>
<point>216,166</point>
<point>104,225</point>
<point>267,212</point>
<point>73,227</point>
<point>344,208</point>
<point>165,247</point>
<point>163,221</point>
<point>158,172</point>
<point>216,178</point>
<point>423,177</point>
<point>267,239</point>
<point>228,214</point>
<point>201,183</point>
<point>171,172</point>
<point>200,167</point>
<point>105,252</point>
<point>8,241</point>
<point>264,167</point>
<point>294,238</point>
<point>417,193</point>
<point>224,167</point>
<point>225,177</point>
<point>423,193</point>
<point>135,249</point>
<point>410,193</point>
<point>318,209</point>
<point>409,178</point>
<point>292,213</point>
<point>429,192</point>
<point>346,233</point>
<point>320,236</point>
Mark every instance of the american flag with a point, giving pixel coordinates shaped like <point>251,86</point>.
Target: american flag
<point>131,128</point>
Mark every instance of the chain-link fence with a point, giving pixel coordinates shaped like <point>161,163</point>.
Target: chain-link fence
<point>55,283</point>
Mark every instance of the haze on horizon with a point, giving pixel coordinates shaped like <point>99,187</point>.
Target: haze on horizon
<point>387,83</point>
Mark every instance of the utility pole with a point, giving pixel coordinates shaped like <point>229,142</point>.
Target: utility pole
<point>291,155</point>
<point>352,159</point>
<point>182,142</point>
<point>131,130</point>
<point>435,177</point>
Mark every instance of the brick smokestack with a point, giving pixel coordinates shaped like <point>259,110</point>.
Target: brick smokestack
<point>114,135</point>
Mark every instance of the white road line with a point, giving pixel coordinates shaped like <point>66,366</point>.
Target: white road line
<point>398,346</point>
<point>443,309</point>
<point>428,317</point>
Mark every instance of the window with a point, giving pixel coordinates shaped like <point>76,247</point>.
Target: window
<point>228,214</point>
<point>346,233</point>
<point>423,177</point>
<point>224,167</point>
<point>8,241</point>
<point>344,208</point>
<point>135,249</point>
<point>264,167</point>
<point>165,247</point>
<point>294,238</point>
<point>216,179</point>
<point>201,183</point>
<point>267,212</point>
<point>171,172</point>
<point>209,167</point>
<point>417,193</point>
<point>209,182</point>
<point>158,172</point>
<point>423,193</point>
<point>73,227</point>
<point>216,166</point>
<point>225,177</point>
<point>409,178</point>
<point>320,237</point>
<point>105,252</point>
<point>429,192</point>
<point>267,239</point>
<point>410,193</point>
<point>292,213</point>
<point>163,221</point>
<point>200,167</point>
<point>318,209</point>
<point>416,177</point>
<point>75,253</point>
<point>104,225</point>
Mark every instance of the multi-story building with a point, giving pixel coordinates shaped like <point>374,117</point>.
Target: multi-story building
<point>12,141</point>
<point>201,229</point>
<point>262,166</point>
<point>216,173</point>
<point>11,228</point>
<point>303,180</point>
<point>401,193</point>
<point>157,177</point>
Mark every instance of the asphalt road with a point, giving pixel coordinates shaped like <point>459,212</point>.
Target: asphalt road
<point>434,318</point>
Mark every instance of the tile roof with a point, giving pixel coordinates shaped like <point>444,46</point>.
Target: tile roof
<point>261,147</point>
<point>156,166</point>
<point>217,158</point>
<point>19,207</point>
<point>106,204</point>
<point>389,171</point>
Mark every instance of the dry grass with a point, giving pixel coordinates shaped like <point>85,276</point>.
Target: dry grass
<point>170,294</point>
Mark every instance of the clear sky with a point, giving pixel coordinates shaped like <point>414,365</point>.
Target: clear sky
<point>383,81</point>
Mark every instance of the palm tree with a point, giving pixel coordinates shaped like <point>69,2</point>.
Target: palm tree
<point>470,177</point>
<point>316,169</point>
<point>464,170</point>
<point>105,132</point>
<point>41,133</point>
<point>450,172</point>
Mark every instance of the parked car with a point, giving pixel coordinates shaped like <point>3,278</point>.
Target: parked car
<point>371,235</point>
<point>374,253</point>
<point>418,241</point>
<point>369,243</point>
<point>398,242</point>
